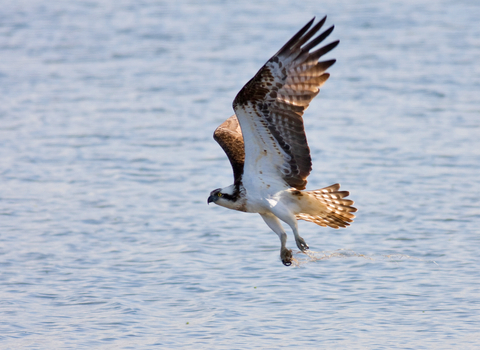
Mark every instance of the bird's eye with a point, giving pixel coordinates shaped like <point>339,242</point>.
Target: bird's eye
<point>219,194</point>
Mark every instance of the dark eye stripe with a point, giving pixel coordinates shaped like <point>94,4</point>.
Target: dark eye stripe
<point>228,196</point>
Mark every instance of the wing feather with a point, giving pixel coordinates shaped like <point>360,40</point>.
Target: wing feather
<point>229,137</point>
<point>270,107</point>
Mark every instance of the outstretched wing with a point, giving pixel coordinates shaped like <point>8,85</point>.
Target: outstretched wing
<point>229,137</point>
<point>270,107</point>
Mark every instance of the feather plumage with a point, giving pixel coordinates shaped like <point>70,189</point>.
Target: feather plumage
<point>275,100</point>
<point>266,144</point>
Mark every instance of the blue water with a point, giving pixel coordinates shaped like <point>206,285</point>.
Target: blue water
<point>107,111</point>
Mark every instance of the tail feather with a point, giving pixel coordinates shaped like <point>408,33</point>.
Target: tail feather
<point>327,207</point>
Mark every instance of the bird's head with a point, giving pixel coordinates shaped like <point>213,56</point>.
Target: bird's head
<point>224,197</point>
<point>215,195</point>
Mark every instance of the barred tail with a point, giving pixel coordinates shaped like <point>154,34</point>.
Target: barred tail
<point>326,207</point>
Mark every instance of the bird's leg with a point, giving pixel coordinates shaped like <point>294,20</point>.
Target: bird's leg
<point>292,222</point>
<point>286,216</point>
<point>272,222</point>
<point>301,244</point>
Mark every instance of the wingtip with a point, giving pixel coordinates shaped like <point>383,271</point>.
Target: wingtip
<point>309,23</point>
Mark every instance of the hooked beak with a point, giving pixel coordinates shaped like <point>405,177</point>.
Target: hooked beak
<point>210,199</point>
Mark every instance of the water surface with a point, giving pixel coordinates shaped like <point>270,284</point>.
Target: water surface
<point>107,111</point>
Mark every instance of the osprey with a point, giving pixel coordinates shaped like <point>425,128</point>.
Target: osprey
<point>266,144</point>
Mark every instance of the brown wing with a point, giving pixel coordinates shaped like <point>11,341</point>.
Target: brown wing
<point>229,137</point>
<point>274,100</point>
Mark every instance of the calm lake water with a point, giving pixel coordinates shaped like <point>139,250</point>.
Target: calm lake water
<point>107,111</point>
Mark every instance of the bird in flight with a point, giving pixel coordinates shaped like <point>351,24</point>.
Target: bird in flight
<point>266,144</point>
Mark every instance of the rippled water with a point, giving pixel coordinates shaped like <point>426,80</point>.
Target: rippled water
<point>106,115</point>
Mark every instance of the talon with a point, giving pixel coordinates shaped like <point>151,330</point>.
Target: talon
<point>286,256</point>
<point>301,244</point>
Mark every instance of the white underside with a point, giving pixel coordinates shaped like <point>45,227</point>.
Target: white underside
<point>266,192</point>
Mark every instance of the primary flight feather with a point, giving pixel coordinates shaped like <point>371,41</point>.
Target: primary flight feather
<point>266,144</point>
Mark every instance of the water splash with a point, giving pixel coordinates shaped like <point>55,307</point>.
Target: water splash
<point>310,256</point>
